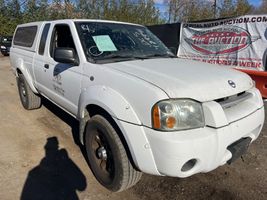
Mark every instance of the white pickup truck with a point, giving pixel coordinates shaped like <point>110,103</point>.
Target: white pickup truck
<point>140,108</point>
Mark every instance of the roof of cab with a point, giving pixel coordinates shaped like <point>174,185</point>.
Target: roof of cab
<point>77,20</point>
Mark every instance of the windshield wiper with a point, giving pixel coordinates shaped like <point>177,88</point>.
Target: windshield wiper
<point>117,58</point>
<point>160,56</point>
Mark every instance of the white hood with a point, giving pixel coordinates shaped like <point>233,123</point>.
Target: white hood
<point>181,78</point>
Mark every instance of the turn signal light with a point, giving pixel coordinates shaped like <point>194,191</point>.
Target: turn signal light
<point>170,122</point>
<point>156,117</point>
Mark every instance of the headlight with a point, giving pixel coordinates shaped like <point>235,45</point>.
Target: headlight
<point>170,115</point>
<point>3,47</point>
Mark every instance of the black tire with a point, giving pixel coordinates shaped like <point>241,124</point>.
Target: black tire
<point>28,99</point>
<point>107,156</point>
<point>4,54</point>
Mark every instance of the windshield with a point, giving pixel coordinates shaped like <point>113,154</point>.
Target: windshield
<point>112,42</point>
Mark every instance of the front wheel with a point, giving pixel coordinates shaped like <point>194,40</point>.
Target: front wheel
<point>107,156</point>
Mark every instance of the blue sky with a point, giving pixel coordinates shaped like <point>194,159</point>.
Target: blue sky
<point>255,2</point>
<point>162,7</point>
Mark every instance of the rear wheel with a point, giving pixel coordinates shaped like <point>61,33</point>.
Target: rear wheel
<point>28,99</point>
<point>107,156</point>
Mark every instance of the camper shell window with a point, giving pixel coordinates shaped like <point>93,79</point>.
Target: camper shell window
<point>25,36</point>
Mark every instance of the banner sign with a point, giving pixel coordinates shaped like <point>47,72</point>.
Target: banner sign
<point>240,42</point>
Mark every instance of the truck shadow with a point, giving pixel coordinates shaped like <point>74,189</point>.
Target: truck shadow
<point>56,177</point>
<point>65,117</point>
<point>198,187</point>
<point>69,120</point>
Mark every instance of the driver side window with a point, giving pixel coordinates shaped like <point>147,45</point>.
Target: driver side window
<point>61,38</point>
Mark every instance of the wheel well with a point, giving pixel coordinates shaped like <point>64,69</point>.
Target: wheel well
<point>18,71</point>
<point>92,110</point>
<point>97,110</point>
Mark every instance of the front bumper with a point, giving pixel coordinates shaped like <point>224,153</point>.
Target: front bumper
<point>207,146</point>
<point>5,51</point>
<point>166,153</point>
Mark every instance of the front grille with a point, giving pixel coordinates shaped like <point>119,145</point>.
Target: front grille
<point>233,100</point>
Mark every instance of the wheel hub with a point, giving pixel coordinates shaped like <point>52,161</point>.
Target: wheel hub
<point>23,91</point>
<point>102,153</point>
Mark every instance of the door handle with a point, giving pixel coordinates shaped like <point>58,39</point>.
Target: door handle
<point>46,66</point>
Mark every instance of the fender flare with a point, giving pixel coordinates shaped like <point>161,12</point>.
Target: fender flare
<point>110,100</point>
<point>20,65</point>
<point>114,104</point>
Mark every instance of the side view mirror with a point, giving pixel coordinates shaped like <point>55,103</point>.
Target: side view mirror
<point>65,55</point>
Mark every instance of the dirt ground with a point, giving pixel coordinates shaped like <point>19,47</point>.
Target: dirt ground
<point>40,159</point>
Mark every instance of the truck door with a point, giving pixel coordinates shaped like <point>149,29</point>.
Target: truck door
<point>60,82</point>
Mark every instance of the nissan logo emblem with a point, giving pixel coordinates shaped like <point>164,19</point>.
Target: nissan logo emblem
<point>232,83</point>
